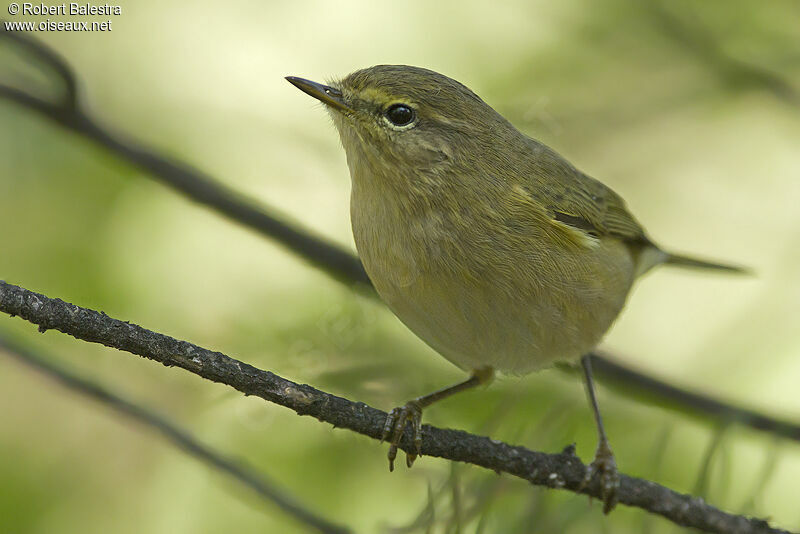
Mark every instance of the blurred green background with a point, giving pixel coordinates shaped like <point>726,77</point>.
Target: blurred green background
<point>684,108</point>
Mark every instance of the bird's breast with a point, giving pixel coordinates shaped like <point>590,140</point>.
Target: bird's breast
<point>485,293</point>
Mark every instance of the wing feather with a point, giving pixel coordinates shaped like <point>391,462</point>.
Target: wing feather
<point>580,201</point>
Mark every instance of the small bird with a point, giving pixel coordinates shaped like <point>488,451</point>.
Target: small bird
<point>487,244</point>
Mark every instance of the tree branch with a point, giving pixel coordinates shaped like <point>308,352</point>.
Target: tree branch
<point>335,261</point>
<point>49,59</point>
<point>652,391</point>
<point>187,180</point>
<point>338,263</point>
<point>182,439</point>
<point>562,471</point>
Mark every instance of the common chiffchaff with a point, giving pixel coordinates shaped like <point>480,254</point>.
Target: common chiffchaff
<point>487,244</point>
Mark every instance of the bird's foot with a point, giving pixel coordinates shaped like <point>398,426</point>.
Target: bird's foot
<point>395,426</point>
<point>606,467</point>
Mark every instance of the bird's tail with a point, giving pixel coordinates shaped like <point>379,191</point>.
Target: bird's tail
<point>694,263</point>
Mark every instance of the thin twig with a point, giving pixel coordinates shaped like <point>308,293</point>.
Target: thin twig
<point>701,487</point>
<point>48,58</point>
<point>342,265</point>
<point>178,437</point>
<point>562,471</point>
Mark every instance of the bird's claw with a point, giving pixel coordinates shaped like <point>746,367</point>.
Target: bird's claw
<point>604,465</point>
<point>395,426</point>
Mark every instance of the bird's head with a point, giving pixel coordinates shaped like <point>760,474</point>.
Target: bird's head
<point>393,117</point>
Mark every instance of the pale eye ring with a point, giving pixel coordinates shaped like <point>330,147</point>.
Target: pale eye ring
<point>400,114</point>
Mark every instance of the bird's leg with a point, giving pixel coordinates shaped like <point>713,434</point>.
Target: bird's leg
<point>412,413</point>
<point>603,463</point>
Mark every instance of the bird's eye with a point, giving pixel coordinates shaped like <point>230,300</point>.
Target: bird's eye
<point>400,114</point>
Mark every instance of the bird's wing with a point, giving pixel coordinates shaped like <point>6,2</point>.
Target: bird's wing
<point>591,210</point>
<point>579,201</point>
<point>594,208</point>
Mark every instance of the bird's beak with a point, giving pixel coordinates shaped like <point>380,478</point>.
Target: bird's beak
<point>324,93</point>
